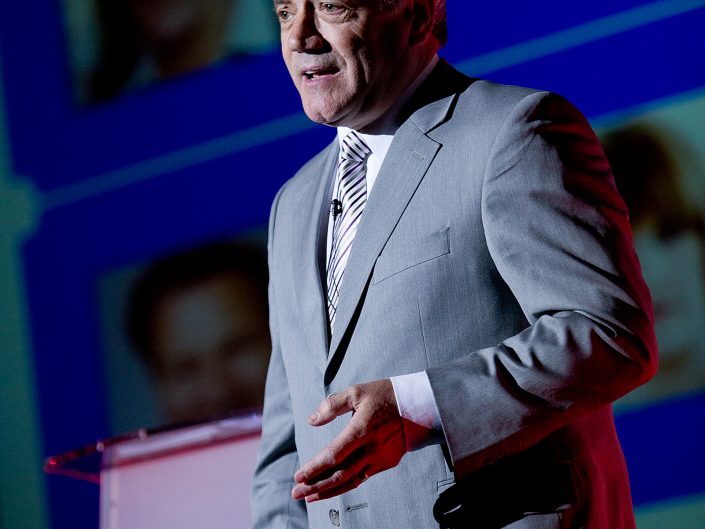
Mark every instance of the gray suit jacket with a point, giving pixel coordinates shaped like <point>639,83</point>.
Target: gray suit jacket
<point>495,254</point>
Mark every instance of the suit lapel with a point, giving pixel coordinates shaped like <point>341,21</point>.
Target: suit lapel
<point>404,167</point>
<point>310,286</point>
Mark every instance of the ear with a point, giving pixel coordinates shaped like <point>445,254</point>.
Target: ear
<point>422,16</point>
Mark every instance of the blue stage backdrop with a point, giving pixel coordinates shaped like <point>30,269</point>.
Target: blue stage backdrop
<point>118,171</point>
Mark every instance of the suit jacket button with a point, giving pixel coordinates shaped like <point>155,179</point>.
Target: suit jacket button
<point>334,516</point>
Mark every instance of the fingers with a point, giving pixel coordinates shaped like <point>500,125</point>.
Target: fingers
<point>332,456</point>
<point>372,442</point>
<point>331,407</point>
<point>345,477</point>
<point>355,481</point>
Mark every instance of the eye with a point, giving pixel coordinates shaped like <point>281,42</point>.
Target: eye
<point>331,8</point>
<point>283,15</point>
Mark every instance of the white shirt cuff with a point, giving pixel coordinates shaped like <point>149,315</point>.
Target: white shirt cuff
<point>418,410</point>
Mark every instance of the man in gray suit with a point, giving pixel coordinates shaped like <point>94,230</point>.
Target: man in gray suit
<point>454,297</point>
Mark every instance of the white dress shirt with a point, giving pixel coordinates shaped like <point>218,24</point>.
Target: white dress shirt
<point>415,400</point>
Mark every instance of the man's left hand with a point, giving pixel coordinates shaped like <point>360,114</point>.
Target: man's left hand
<point>372,442</point>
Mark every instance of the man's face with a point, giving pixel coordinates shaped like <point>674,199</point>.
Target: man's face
<point>347,58</point>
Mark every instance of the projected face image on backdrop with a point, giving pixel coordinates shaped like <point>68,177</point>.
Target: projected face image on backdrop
<point>123,45</point>
<point>657,160</point>
<point>185,337</point>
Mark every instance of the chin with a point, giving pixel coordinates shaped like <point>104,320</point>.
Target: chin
<point>316,117</point>
<point>322,116</point>
<point>326,110</point>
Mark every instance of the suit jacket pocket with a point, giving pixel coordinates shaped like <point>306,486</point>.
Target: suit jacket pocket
<point>397,258</point>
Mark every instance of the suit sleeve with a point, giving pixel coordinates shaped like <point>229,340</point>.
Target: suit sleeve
<point>272,505</point>
<point>558,233</point>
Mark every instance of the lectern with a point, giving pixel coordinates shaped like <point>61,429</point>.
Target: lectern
<point>177,478</point>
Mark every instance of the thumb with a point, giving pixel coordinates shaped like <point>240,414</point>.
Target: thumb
<point>331,407</point>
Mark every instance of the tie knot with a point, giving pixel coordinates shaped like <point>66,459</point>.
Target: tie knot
<point>354,148</point>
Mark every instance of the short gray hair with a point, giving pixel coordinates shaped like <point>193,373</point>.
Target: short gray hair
<point>440,23</point>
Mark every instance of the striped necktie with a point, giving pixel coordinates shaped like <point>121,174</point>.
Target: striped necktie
<point>352,194</point>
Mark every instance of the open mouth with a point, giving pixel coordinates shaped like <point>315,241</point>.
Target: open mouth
<point>316,73</point>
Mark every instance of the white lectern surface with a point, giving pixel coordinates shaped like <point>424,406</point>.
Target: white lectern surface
<point>185,478</point>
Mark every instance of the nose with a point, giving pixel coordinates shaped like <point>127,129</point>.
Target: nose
<point>303,33</point>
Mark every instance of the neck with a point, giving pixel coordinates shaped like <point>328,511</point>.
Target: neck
<point>388,122</point>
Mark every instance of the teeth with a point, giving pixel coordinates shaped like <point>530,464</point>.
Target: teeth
<point>311,74</point>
